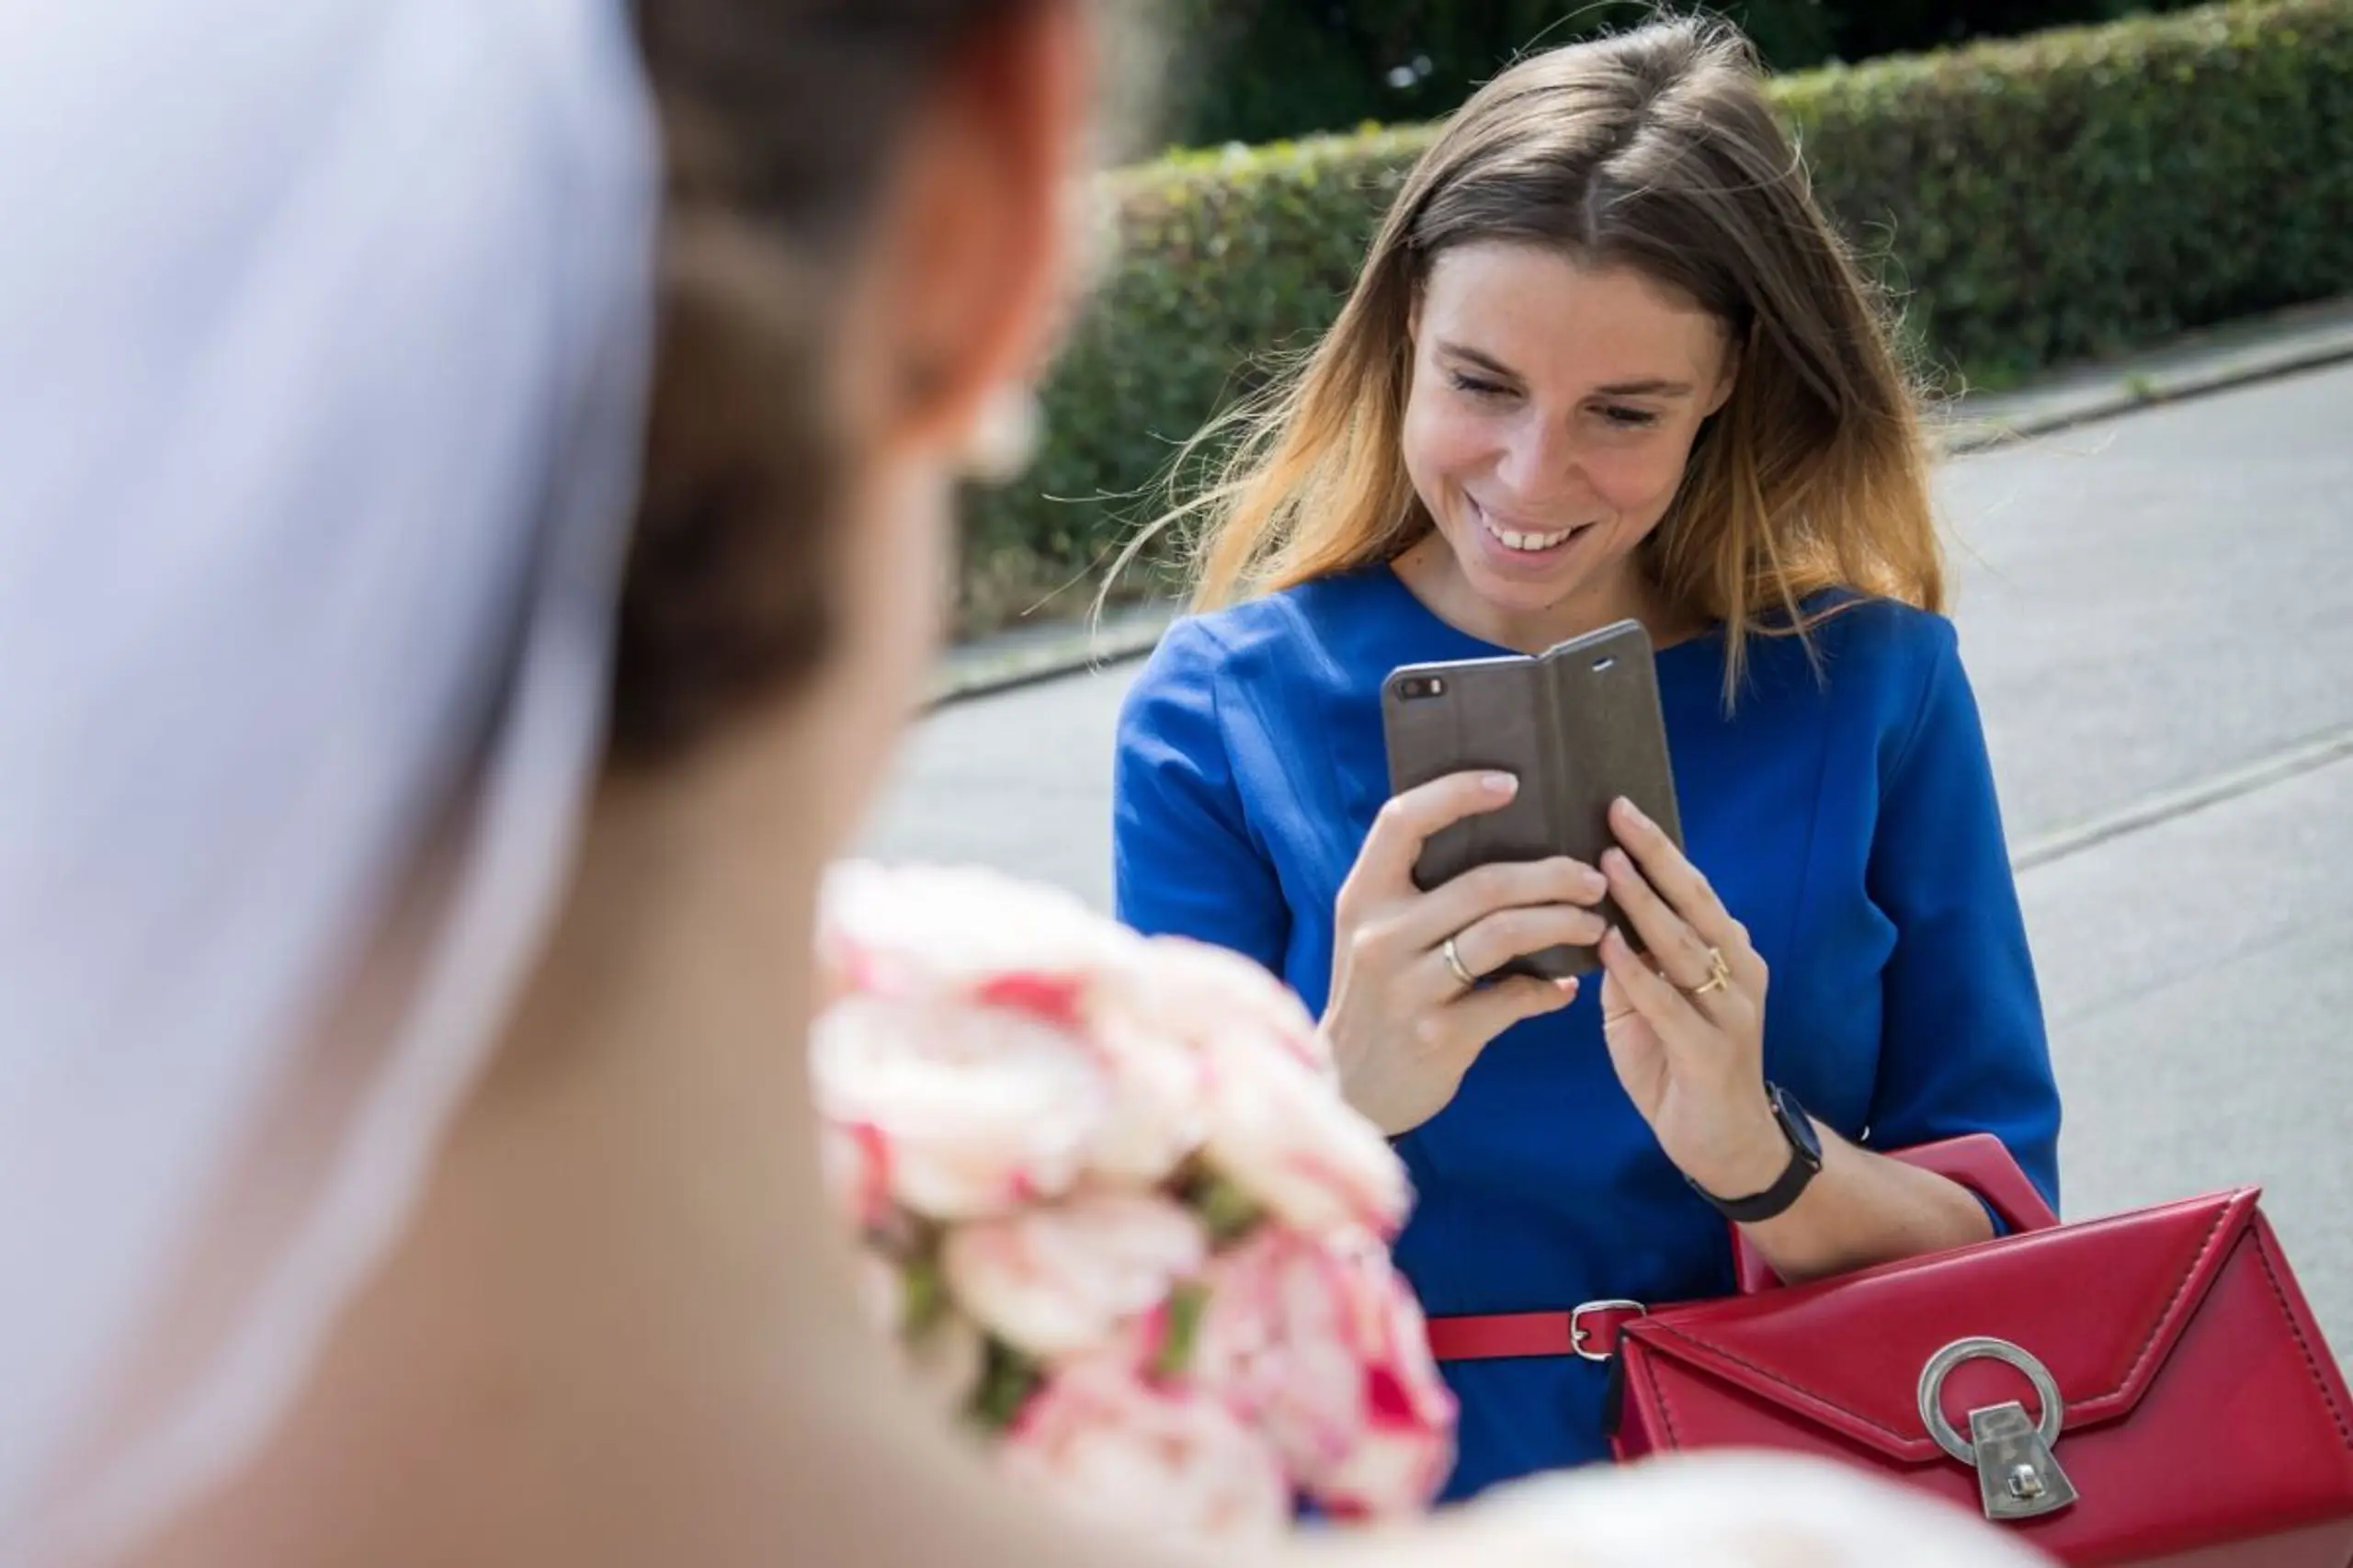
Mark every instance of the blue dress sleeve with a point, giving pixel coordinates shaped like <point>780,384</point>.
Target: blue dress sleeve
<point>1963,1048</point>
<point>1184,860</point>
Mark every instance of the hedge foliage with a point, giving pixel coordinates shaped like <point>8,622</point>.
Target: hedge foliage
<point>1260,70</point>
<point>1256,70</point>
<point>2048,199</point>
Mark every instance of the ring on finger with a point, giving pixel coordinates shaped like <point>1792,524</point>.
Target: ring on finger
<point>1462,970</point>
<point>1719,974</point>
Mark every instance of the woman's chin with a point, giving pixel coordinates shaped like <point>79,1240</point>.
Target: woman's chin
<point>1518,582</point>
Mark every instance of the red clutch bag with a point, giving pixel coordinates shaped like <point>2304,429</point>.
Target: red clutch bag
<point>2148,1389</point>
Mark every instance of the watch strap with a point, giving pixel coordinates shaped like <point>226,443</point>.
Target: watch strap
<point>1805,1163</point>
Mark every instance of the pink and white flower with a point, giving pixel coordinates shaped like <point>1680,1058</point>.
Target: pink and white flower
<point>1018,1099</point>
<point>1275,1121</point>
<point>1199,994</point>
<point>1284,1135</point>
<point>1159,1111</point>
<point>1146,1455</point>
<point>1321,1346</point>
<point>1065,1280</point>
<point>976,1110</point>
<point>964,931</point>
<point>982,941</point>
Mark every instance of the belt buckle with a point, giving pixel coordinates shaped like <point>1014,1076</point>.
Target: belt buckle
<point>1577,1330</point>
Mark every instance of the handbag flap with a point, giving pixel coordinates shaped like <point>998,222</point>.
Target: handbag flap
<point>2100,1304</point>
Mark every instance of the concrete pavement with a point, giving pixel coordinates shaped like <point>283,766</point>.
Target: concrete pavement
<point>2148,605</point>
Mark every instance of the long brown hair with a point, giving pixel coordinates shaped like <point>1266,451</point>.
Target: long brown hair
<point>1655,150</point>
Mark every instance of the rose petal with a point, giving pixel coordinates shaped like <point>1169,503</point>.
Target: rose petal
<point>926,929</point>
<point>1147,1456</point>
<point>1063,1280</point>
<point>1295,1145</point>
<point>1321,1344</point>
<point>1159,1111</point>
<point>976,1110</point>
<point>1202,993</point>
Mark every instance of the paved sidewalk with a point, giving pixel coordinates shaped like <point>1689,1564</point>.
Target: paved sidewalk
<point>2303,338</point>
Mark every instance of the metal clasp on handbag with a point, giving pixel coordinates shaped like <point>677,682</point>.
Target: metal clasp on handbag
<point>2017,1474</point>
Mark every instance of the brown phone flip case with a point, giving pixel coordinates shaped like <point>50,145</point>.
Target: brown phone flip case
<point>1578,724</point>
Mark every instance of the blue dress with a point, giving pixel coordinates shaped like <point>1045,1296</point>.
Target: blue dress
<point>1847,816</point>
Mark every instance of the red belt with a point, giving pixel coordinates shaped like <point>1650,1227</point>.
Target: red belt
<point>1589,1331</point>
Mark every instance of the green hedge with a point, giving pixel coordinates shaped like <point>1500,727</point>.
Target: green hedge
<point>1256,70</point>
<point>2049,199</point>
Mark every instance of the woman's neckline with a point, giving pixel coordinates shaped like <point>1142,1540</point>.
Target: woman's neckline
<point>1709,637</point>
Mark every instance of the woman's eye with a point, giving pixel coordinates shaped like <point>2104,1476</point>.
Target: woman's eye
<point>1476,386</point>
<point>1628,418</point>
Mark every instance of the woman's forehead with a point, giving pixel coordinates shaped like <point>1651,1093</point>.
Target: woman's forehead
<point>1549,318</point>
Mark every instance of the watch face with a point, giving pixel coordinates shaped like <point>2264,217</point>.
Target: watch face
<point>1798,1125</point>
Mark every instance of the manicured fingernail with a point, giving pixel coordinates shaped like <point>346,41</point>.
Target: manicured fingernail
<point>1500,784</point>
<point>1634,812</point>
<point>1568,989</point>
<point>1615,862</point>
<point>1595,882</point>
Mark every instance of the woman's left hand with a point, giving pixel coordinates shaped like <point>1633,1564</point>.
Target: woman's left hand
<point>1685,1027</point>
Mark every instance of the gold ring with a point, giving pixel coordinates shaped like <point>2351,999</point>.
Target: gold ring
<point>1454,962</point>
<point>1719,974</point>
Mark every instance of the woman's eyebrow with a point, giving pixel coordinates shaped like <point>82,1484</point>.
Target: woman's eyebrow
<point>1654,386</point>
<point>1485,361</point>
<point>1651,388</point>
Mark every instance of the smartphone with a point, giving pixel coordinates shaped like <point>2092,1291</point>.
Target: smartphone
<point>1578,724</point>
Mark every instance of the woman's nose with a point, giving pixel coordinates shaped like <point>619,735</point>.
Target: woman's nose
<point>1540,462</point>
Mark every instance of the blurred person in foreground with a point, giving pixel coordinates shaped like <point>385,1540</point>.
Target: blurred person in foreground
<point>414,802</point>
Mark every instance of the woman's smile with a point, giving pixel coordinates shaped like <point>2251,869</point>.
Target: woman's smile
<point>1519,537</point>
<point>1511,548</point>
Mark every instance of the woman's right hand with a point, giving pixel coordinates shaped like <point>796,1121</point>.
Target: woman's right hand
<point>1403,1025</point>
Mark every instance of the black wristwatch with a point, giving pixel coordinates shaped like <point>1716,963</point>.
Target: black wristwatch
<point>1806,1162</point>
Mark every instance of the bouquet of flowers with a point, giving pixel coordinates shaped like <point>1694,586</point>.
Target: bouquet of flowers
<point>1114,1208</point>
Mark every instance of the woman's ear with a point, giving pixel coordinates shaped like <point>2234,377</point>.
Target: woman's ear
<point>968,257</point>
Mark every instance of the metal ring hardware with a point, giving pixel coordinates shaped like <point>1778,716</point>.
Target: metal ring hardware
<point>1940,1366</point>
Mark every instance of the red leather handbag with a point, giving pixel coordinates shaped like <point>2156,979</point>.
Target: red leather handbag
<point>2148,1389</point>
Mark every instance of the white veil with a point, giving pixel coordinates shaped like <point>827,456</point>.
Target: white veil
<point>323,330</point>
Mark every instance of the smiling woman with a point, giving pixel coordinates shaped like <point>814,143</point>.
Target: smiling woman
<point>1605,360</point>
<point>1604,226</point>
